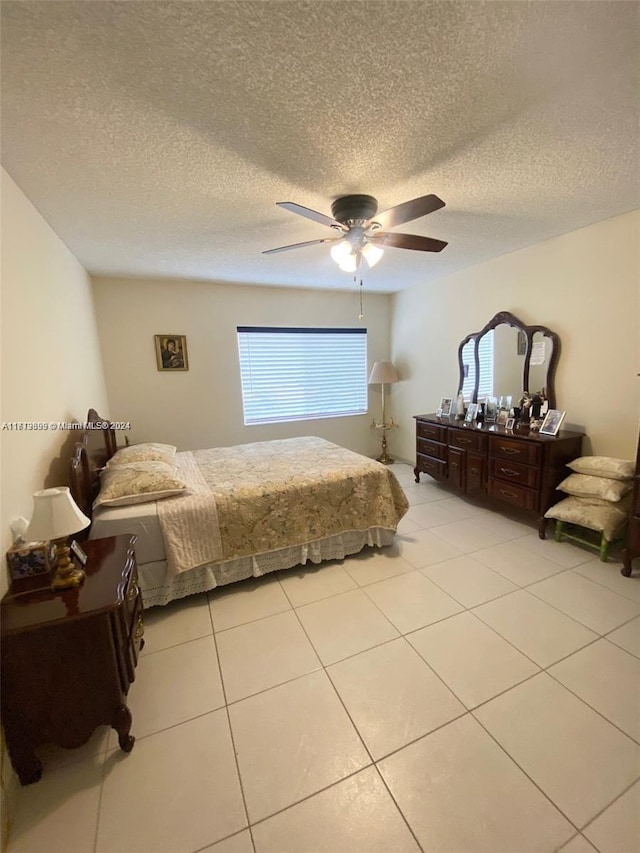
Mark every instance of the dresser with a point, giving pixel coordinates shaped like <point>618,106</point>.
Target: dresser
<point>632,542</point>
<point>69,657</point>
<point>519,468</point>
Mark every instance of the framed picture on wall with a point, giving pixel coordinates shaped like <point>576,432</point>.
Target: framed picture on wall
<point>171,352</point>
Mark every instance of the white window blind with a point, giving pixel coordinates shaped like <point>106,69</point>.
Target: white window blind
<point>293,374</point>
<point>485,356</point>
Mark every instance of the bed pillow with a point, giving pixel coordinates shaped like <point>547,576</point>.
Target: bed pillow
<point>603,466</point>
<point>603,516</point>
<point>149,452</point>
<point>586,486</point>
<point>138,482</point>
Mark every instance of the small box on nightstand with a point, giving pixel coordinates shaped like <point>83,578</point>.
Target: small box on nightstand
<point>30,565</point>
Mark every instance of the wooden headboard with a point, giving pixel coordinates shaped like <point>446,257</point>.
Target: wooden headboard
<point>96,446</point>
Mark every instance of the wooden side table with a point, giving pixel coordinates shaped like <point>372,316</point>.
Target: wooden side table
<point>69,657</point>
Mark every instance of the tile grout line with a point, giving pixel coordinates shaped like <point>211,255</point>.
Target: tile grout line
<point>584,625</point>
<point>397,805</point>
<point>603,585</point>
<point>524,772</point>
<point>230,728</point>
<point>540,666</point>
<point>595,710</point>
<point>357,731</point>
<point>608,806</point>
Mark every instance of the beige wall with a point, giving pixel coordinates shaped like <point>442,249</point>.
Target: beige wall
<point>583,285</point>
<point>51,366</point>
<point>202,407</point>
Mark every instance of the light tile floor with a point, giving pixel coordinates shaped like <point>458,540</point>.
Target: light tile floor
<point>470,688</point>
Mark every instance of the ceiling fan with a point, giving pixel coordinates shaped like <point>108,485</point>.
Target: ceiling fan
<point>361,228</point>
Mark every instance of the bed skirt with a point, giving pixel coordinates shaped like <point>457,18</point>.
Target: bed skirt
<point>159,586</point>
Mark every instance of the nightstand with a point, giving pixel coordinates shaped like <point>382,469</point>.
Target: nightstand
<point>69,657</point>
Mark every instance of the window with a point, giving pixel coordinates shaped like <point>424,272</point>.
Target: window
<point>485,356</point>
<point>301,374</point>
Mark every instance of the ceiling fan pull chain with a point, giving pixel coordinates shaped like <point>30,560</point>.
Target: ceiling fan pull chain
<point>361,314</point>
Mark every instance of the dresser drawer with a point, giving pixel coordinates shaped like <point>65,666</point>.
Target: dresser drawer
<point>466,439</point>
<point>476,473</point>
<point>431,448</point>
<point>514,472</point>
<point>514,494</point>
<point>434,467</point>
<point>432,431</point>
<point>514,451</point>
<point>457,468</point>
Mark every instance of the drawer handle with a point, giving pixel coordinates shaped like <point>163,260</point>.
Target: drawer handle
<point>509,472</point>
<point>139,628</point>
<point>133,591</point>
<point>508,494</point>
<point>474,472</point>
<point>511,450</point>
<point>454,465</point>
<point>464,440</point>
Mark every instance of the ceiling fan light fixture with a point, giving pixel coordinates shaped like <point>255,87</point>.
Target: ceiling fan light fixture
<point>341,250</point>
<point>372,254</point>
<point>348,263</point>
<point>361,234</point>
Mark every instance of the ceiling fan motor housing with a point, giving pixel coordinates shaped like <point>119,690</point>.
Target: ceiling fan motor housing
<point>354,208</point>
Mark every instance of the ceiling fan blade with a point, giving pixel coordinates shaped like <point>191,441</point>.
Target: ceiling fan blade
<point>300,245</point>
<point>409,241</point>
<point>407,211</point>
<point>322,218</point>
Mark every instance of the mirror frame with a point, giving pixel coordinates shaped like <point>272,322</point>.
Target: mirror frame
<point>529,331</point>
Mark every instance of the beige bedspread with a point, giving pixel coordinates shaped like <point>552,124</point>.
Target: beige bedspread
<point>259,497</point>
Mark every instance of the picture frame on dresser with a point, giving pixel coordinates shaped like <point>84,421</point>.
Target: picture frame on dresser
<point>552,421</point>
<point>78,553</point>
<point>472,413</point>
<point>491,409</point>
<point>444,409</point>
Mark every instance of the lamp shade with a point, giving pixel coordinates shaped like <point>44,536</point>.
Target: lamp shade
<point>55,515</point>
<point>372,254</point>
<point>383,372</point>
<point>339,251</point>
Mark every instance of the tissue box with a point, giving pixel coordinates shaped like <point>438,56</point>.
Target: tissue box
<point>30,565</point>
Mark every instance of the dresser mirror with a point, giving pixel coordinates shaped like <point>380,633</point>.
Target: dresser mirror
<point>507,357</point>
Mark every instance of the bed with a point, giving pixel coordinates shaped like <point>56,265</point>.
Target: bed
<point>245,510</point>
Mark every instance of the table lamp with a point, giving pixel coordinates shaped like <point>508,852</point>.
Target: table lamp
<point>383,373</point>
<point>55,517</point>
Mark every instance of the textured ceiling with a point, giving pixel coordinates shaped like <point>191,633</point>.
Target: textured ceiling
<point>156,137</point>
